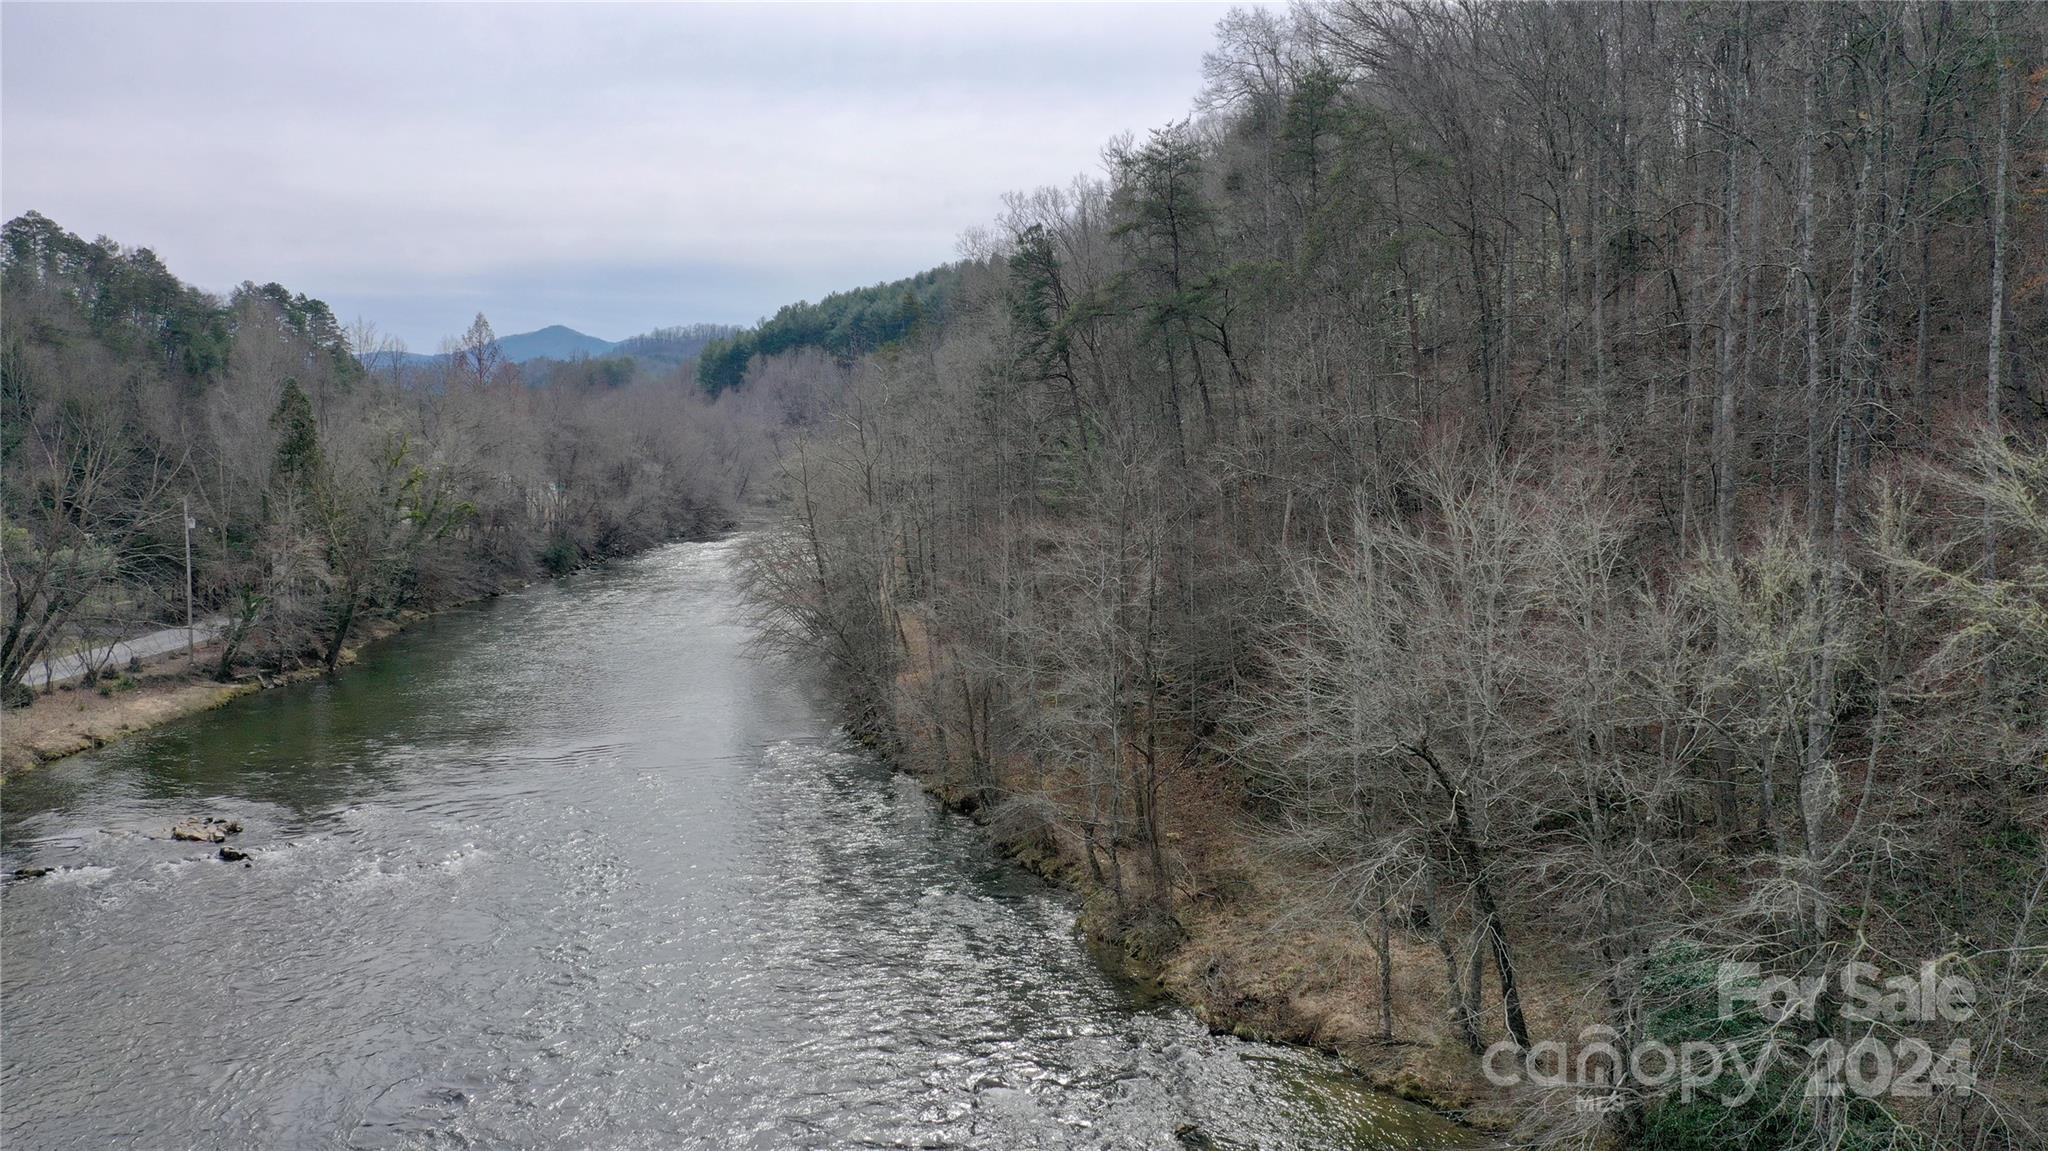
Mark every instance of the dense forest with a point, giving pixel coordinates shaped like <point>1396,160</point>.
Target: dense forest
<point>1504,509</point>
<point>329,478</point>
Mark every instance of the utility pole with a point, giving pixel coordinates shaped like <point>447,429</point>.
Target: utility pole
<point>188,579</point>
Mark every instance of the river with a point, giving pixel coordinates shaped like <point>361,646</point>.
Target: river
<point>572,869</point>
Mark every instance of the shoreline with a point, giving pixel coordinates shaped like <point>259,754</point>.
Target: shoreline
<point>1238,951</point>
<point>1233,974</point>
<point>71,720</point>
<point>168,688</point>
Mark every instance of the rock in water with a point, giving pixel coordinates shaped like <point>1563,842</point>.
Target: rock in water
<point>233,854</point>
<point>32,872</point>
<point>194,831</point>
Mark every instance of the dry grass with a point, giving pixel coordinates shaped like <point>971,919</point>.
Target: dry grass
<point>74,719</point>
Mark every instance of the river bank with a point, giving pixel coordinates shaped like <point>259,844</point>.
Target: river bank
<point>1246,967</point>
<point>74,718</point>
<point>1245,954</point>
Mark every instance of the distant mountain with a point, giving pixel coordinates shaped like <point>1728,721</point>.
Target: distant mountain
<point>553,342</point>
<point>564,345</point>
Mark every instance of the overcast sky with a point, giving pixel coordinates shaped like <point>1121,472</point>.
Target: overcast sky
<point>611,168</point>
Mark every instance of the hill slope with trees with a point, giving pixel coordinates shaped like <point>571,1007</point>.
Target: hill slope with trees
<point>1507,508</point>
<point>845,325</point>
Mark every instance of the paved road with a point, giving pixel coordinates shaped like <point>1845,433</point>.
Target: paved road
<point>64,669</point>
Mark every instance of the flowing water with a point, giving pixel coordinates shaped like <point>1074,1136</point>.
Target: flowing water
<point>572,869</point>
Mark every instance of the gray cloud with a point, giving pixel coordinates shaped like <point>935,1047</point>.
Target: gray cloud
<point>614,168</point>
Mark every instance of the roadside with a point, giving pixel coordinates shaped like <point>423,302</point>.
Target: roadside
<point>72,666</point>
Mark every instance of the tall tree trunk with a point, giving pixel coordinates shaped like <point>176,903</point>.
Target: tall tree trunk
<point>1731,279</point>
<point>1819,407</point>
<point>1995,351</point>
<point>335,646</point>
<point>1816,420</point>
<point>1386,958</point>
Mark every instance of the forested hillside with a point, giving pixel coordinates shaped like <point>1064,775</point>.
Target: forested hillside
<point>329,482</point>
<point>845,325</point>
<point>1502,510</point>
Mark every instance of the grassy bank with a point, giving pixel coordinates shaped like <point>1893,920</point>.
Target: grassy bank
<point>74,718</point>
